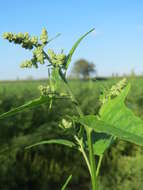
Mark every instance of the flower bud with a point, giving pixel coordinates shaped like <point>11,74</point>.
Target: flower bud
<point>65,124</point>
<point>26,64</point>
<point>61,57</point>
<point>44,36</point>
<point>44,90</point>
<point>38,53</point>
<point>51,54</point>
<point>34,40</point>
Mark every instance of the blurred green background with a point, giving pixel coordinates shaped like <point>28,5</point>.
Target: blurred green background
<point>48,166</point>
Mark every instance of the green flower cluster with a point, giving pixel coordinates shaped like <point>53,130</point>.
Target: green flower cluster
<point>25,39</point>
<point>38,53</point>
<point>114,91</point>
<point>57,59</point>
<point>29,63</point>
<point>44,36</point>
<point>44,90</point>
<point>65,124</point>
<point>39,56</point>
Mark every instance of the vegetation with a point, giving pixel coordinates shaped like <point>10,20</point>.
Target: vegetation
<point>90,134</point>
<point>83,69</point>
<point>41,168</point>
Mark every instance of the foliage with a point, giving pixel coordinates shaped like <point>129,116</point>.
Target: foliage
<point>83,68</point>
<point>82,132</point>
<point>35,164</point>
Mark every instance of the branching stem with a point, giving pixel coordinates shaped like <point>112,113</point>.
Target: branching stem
<point>92,160</point>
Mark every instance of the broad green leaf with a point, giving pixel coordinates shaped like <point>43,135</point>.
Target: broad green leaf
<point>75,46</point>
<point>55,141</point>
<point>134,135</point>
<point>115,120</point>
<point>28,105</point>
<point>67,182</point>
<point>103,141</point>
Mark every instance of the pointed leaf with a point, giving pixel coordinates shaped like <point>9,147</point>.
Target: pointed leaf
<point>103,141</point>
<point>55,141</point>
<point>57,35</point>
<point>116,120</point>
<point>75,46</point>
<point>28,105</point>
<point>135,136</point>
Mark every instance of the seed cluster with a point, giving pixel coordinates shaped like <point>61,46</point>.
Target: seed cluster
<point>25,40</point>
<point>44,36</point>
<point>44,90</point>
<point>65,124</point>
<point>114,91</point>
<point>39,56</point>
<point>56,59</point>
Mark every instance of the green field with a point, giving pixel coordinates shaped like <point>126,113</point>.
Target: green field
<point>42,168</point>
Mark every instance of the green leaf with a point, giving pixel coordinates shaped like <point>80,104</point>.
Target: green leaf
<point>55,79</point>
<point>103,141</point>
<point>54,141</point>
<point>75,46</point>
<point>115,120</point>
<point>57,35</point>
<point>28,105</point>
<point>135,136</point>
<point>66,183</point>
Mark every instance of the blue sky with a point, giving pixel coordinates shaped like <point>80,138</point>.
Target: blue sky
<point>116,46</point>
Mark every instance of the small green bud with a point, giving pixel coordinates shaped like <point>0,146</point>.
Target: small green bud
<point>20,35</point>
<point>44,36</point>
<point>34,40</point>
<point>51,54</point>
<point>5,35</point>
<point>65,124</point>
<point>61,57</point>
<point>8,36</point>
<point>26,36</point>
<point>44,90</point>
<point>39,54</point>
<point>113,92</point>
<point>26,64</point>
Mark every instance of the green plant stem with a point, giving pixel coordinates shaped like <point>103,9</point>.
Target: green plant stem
<point>91,165</point>
<point>67,182</point>
<point>92,160</point>
<point>73,99</point>
<point>83,153</point>
<point>98,165</point>
<point>81,129</point>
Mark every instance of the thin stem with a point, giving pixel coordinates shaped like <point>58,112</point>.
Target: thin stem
<point>98,165</point>
<point>92,160</point>
<point>83,153</point>
<point>67,182</point>
<point>73,99</point>
<point>91,165</point>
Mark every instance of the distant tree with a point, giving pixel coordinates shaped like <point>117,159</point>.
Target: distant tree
<point>83,68</point>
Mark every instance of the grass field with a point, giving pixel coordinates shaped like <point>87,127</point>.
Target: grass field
<point>41,167</point>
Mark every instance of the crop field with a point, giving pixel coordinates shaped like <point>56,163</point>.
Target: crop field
<point>41,167</point>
